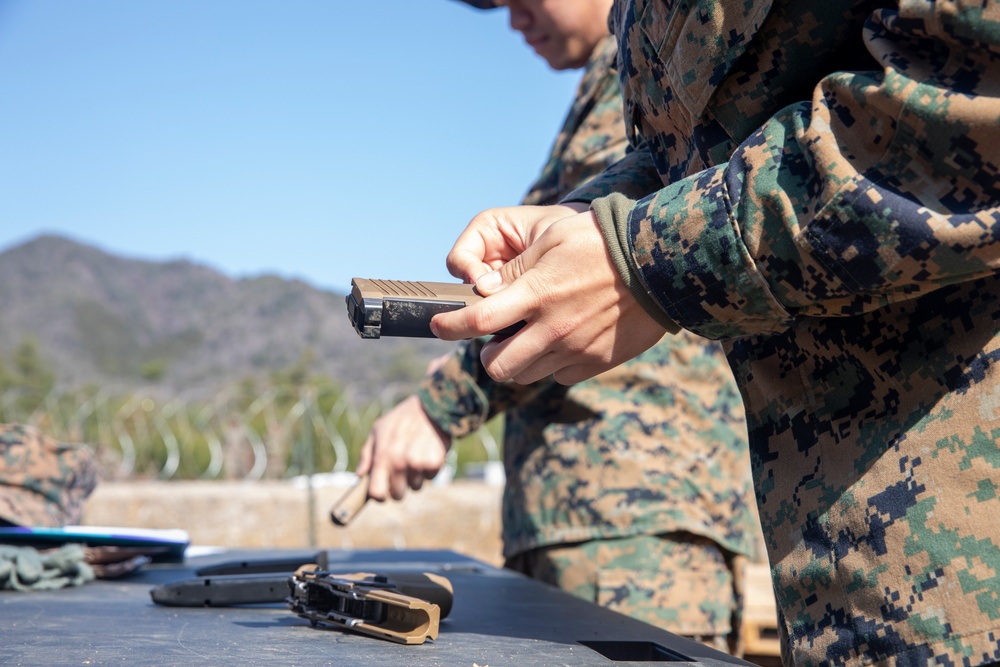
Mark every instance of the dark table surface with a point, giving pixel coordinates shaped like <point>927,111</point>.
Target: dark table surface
<point>499,618</point>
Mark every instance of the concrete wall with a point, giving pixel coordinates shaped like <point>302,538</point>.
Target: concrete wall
<point>463,516</point>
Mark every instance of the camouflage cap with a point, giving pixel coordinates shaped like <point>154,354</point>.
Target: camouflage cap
<point>43,482</point>
<point>481,4</point>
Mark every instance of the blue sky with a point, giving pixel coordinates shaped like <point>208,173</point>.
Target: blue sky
<point>314,139</point>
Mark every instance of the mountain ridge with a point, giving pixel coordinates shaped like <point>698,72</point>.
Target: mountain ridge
<point>182,327</point>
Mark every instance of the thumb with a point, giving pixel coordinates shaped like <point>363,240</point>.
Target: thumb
<point>494,281</point>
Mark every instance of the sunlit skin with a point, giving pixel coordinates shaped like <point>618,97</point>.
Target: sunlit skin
<point>549,267</point>
<point>563,32</point>
<point>404,447</point>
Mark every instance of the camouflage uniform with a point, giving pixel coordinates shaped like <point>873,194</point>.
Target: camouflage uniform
<point>43,483</point>
<point>847,253</point>
<point>654,448</point>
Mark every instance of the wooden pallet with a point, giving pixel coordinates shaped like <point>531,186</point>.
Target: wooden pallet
<point>760,616</point>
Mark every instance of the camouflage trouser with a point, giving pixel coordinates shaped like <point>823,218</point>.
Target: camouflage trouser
<point>680,582</point>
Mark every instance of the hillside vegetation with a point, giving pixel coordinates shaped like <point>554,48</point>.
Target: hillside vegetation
<point>182,328</point>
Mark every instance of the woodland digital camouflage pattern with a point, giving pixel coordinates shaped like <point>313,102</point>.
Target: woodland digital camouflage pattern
<point>695,595</point>
<point>592,136</point>
<point>42,482</point>
<point>654,446</point>
<point>848,253</point>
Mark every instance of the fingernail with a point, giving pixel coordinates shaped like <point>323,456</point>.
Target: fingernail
<point>489,282</point>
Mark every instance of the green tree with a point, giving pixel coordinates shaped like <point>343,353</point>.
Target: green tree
<point>296,375</point>
<point>154,370</point>
<point>31,377</point>
<point>404,365</point>
<point>6,378</point>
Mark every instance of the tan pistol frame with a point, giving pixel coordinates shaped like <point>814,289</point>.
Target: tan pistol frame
<point>405,607</point>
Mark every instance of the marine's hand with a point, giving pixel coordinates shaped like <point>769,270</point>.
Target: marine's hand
<point>496,236</point>
<point>403,449</point>
<point>581,318</point>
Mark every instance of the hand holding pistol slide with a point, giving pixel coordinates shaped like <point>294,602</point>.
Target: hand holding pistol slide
<point>404,308</point>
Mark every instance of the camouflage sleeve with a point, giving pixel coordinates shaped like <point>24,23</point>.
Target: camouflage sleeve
<point>460,397</point>
<point>884,188</point>
<point>593,147</point>
<point>633,176</point>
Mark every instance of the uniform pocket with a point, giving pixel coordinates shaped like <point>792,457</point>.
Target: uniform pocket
<point>684,601</point>
<point>698,41</point>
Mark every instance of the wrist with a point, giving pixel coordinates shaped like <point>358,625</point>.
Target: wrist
<point>452,401</point>
<point>611,214</point>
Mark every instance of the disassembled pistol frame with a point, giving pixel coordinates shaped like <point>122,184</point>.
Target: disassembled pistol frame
<point>405,608</point>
